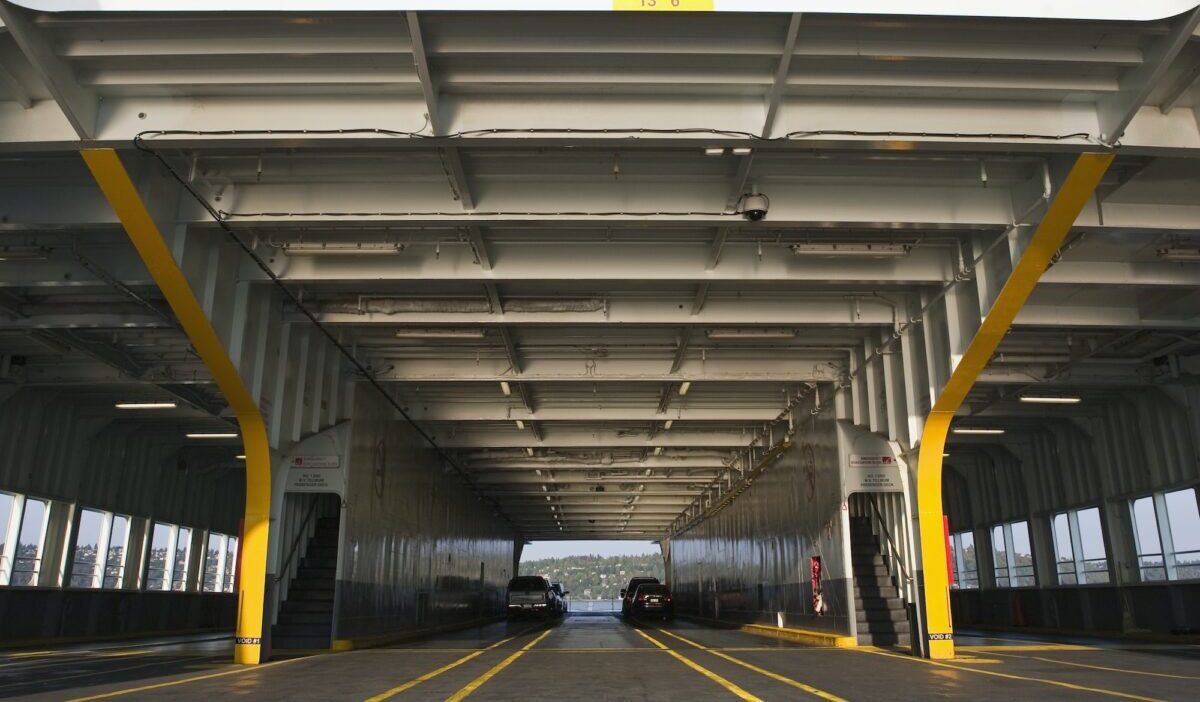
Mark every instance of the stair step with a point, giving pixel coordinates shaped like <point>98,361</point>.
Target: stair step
<point>324,617</point>
<point>289,630</point>
<point>316,551</point>
<point>310,584</point>
<point>316,574</point>
<point>871,603</point>
<point>878,570</point>
<point>868,639</point>
<point>883,627</point>
<point>881,615</point>
<point>305,606</point>
<point>876,581</point>
<point>310,595</point>
<point>318,562</point>
<point>885,593</point>
<point>300,642</point>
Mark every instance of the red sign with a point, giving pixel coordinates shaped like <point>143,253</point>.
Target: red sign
<point>818,603</point>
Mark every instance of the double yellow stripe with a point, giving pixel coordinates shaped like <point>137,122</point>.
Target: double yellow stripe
<point>494,670</point>
<point>761,671</point>
<point>434,673</point>
<point>739,692</point>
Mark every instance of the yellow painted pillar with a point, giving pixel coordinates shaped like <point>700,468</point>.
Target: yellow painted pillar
<point>123,197</point>
<point>1061,213</point>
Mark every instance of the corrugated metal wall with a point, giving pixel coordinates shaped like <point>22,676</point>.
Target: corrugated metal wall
<point>420,551</point>
<point>1099,454</point>
<point>750,562</point>
<point>50,447</point>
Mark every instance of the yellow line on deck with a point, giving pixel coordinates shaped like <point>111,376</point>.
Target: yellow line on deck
<point>1102,667</point>
<point>739,692</point>
<point>475,653</point>
<point>761,671</point>
<point>494,670</point>
<point>1013,676</point>
<point>184,681</point>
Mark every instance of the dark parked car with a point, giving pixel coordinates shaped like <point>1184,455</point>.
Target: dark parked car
<point>530,595</point>
<point>628,591</point>
<point>653,601</point>
<point>560,598</point>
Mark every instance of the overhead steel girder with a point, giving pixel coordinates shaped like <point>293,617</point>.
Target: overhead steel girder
<point>121,118</point>
<point>698,460</point>
<point>684,261</point>
<point>601,370</point>
<point>563,437</point>
<point>499,411</point>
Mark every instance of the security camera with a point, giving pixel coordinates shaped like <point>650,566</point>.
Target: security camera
<point>755,206</point>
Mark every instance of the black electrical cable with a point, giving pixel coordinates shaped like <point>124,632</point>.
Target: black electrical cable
<point>632,132</point>
<point>358,366</point>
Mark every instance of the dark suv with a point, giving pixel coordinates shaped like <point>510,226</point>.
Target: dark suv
<point>629,590</point>
<point>530,595</point>
<point>653,600</point>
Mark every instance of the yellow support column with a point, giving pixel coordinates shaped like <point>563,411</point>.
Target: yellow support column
<point>122,195</point>
<point>1076,189</point>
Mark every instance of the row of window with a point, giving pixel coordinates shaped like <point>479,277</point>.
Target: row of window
<point>1166,533</point>
<point>109,551</point>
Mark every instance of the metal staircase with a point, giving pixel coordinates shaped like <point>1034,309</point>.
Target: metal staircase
<point>306,616</point>
<point>882,618</point>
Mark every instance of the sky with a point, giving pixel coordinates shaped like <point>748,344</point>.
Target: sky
<point>559,549</point>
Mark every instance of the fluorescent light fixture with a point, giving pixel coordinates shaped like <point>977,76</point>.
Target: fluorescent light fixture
<point>505,388</point>
<point>537,470</point>
<point>1051,399</point>
<point>714,151</point>
<point>22,253</point>
<point>440,334</point>
<point>658,450</point>
<point>520,425</point>
<point>240,457</point>
<point>545,489</point>
<point>145,405</point>
<point>741,150</point>
<point>547,498</point>
<point>751,333</point>
<point>668,424</point>
<point>945,455</point>
<point>529,452</point>
<point>977,430</point>
<point>211,435</point>
<point>649,471</point>
<point>851,250</point>
<point>1178,253</point>
<point>684,387</point>
<point>339,248</point>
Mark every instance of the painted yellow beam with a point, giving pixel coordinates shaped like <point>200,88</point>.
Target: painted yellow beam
<point>1076,189</point>
<point>123,197</point>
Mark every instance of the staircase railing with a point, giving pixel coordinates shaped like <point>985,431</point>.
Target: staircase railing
<point>895,558</point>
<point>301,536</point>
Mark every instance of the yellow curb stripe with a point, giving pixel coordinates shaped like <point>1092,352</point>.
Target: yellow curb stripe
<point>495,670</point>
<point>761,671</point>
<point>739,692</point>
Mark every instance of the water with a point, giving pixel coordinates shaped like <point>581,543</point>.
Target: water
<point>595,606</point>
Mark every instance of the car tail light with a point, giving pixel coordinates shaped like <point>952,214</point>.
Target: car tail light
<point>641,598</point>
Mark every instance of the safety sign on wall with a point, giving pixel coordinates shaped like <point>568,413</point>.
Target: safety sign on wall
<point>315,474</point>
<point>873,473</point>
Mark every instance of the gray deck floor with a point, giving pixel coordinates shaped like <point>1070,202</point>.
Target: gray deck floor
<point>604,658</point>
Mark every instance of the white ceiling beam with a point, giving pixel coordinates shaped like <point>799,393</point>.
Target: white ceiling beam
<point>80,105</point>
<point>449,410</point>
<point>1186,82</point>
<point>479,245</point>
<point>778,367</point>
<point>565,437</point>
<point>1116,111</point>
